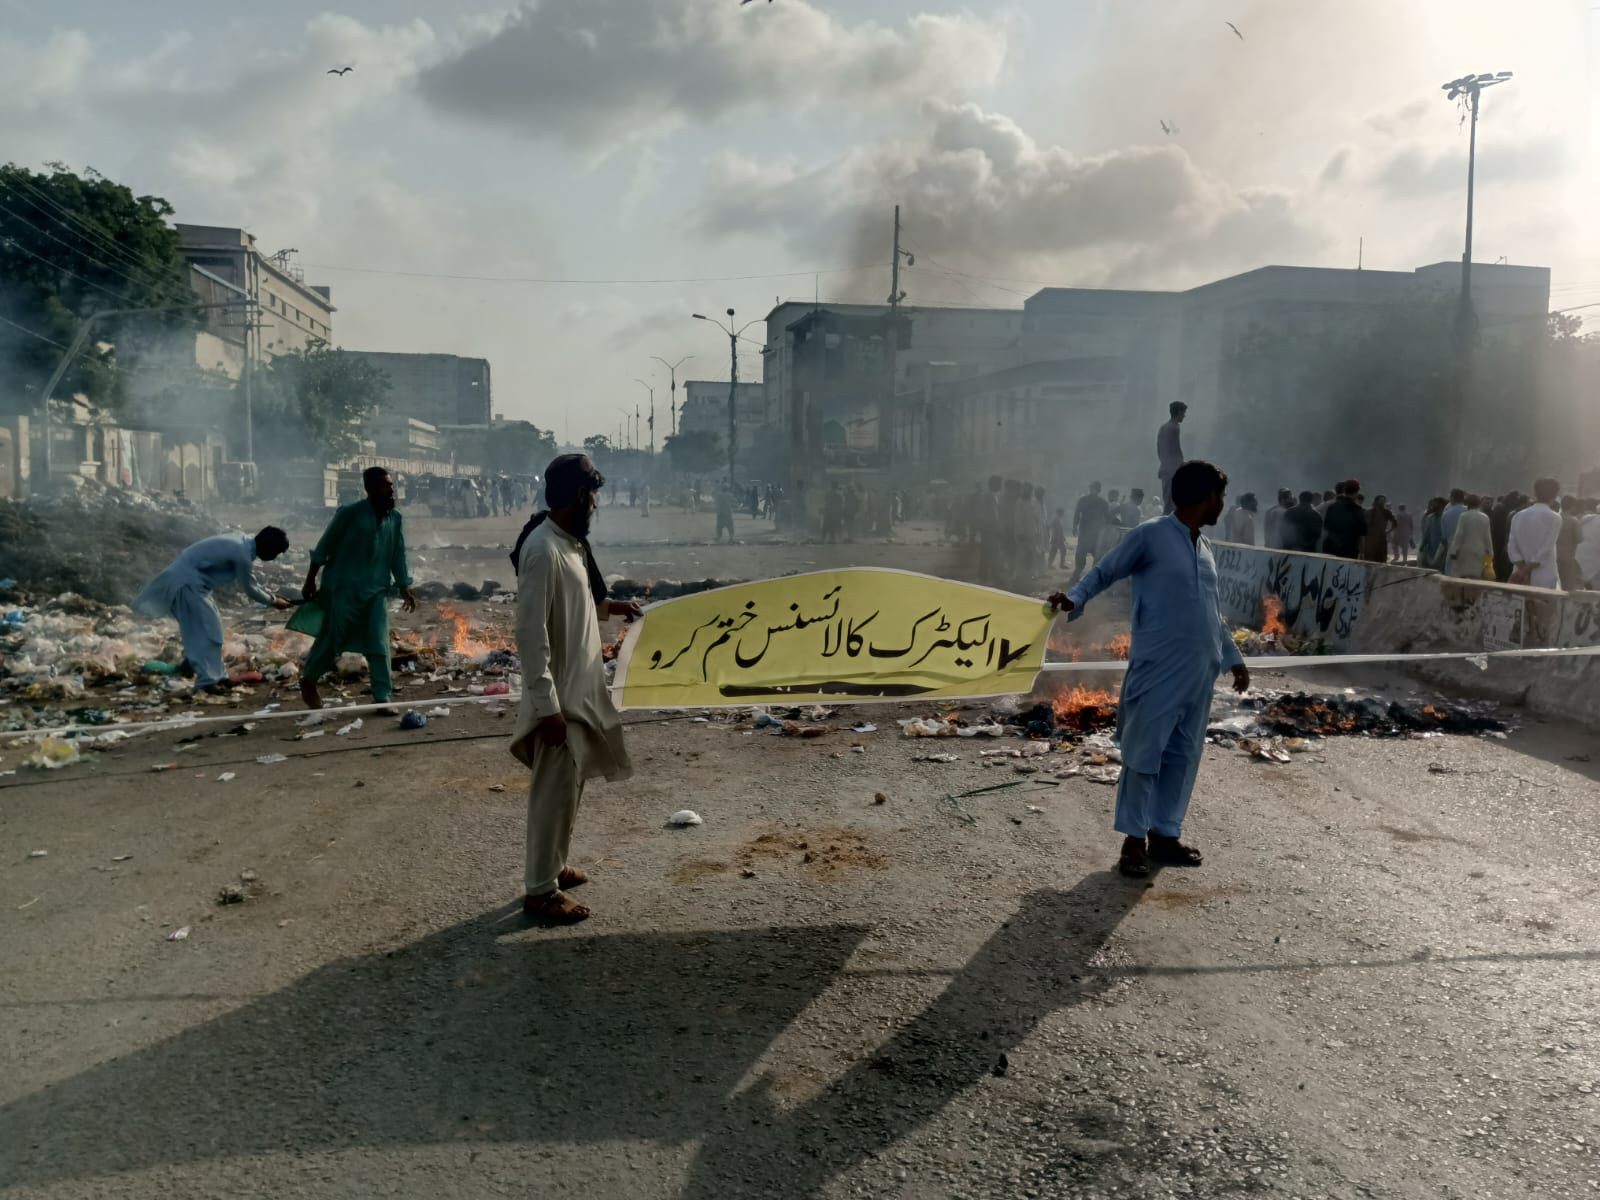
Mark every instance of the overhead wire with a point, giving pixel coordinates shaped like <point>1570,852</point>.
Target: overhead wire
<point>31,333</point>
<point>65,218</point>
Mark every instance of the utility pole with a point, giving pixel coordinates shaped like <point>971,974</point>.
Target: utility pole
<point>888,420</point>
<point>672,370</point>
<point>1469,90</point>
<point>733,384</point>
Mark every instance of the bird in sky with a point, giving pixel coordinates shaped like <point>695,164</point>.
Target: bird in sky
<point>340,70</point>
<point>1168,127</point>
<point>742,3</point>
<point>1235,29</point>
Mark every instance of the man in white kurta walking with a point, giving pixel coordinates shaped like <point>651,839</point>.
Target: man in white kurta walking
<point>568,731</point>
<point>183,592</point>
<point>1532,545</point>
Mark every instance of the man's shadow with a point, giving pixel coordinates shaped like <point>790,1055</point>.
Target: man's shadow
<point>1038,962</point>
<point>466,1035</point>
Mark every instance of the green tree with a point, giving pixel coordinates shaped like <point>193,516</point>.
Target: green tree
<point>698,451</point>
<point>72,245</point>
<point>596,445</point>
<point>310,404</point>
<point>519,448</point>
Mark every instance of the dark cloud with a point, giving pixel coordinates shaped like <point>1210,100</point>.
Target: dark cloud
<point>601,71</point>
<point>1413,171</point>
<point>981,195</point>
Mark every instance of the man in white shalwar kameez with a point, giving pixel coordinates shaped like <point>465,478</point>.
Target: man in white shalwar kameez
<point>568,731</point>
<point>183,592</point>
<point>1180,645</point>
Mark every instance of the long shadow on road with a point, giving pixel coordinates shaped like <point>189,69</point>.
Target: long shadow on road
<point>465,1035</point>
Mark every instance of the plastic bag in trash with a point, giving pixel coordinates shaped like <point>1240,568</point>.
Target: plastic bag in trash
<point>685,817</point>
<point>53,754</point>
<point>413,720</point>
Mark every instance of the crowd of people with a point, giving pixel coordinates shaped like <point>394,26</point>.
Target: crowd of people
<point>851,510</point>
<point>1546,539</point>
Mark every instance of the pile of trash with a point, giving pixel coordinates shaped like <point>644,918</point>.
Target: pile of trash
<point>96,541</point>
<point>663,589</point>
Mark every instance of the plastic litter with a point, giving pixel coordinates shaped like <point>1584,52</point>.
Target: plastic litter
<point>413,720</point>
<point>1268,751</point>
<point>53,754</point>
<point>765,720</point>
<point>166,766</point>
<point>38,854</point>
<point>1026,750</point>
<point>435,713</point>
<point>937,758</point>
<point>497,689</point>
<point>685,817</point>
<point>311,719</point>
<point>226,777</point>
<point>927,727</point>
<point>345,730</point>
<point>863,729</point>
<point>179,935</point>
<point>308,734</point>
<point>156,667</point>
<point>795,729</point>
<point>267,760</point>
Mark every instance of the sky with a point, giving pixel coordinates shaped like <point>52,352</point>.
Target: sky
<point>666,157</point>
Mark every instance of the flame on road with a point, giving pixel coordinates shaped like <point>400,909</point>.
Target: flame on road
<point>458,635</point>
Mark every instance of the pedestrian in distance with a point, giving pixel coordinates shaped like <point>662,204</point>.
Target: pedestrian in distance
<point>1089,519</point>
<point>1472,547</point>
<point>1380,521</point>
<point>183,592</point>
<point>1535,532</point>
<point>1169,450</point>
<point>568,731</point>
<point>1181,644</point>
<point>724,513</point>
<point>1344,525</point>
<point>1301,528</point>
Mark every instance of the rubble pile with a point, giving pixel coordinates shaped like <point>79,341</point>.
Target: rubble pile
<point>96,541</point>
<point>664,589</point>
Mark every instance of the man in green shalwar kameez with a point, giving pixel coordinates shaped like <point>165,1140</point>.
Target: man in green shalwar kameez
<point>364,553</point>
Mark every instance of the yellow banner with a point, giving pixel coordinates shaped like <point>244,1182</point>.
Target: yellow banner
<point>843,636</point>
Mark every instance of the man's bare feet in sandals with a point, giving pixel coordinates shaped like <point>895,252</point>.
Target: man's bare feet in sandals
<point>1170,852</point>
<point>556,907</point>
<point>571,877</point>
<point>1135,860</point>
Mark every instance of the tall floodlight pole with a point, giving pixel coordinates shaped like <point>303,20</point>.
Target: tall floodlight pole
<point>672,372</point>
<point>1468,90</point>
<point>652,423</point>
<point>733,384</point>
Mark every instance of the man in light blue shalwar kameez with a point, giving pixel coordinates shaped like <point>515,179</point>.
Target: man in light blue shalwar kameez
<point>183,591</point>
<point>1180,646</point>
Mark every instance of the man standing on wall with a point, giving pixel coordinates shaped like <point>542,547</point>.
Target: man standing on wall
<point>1169,450</point>
<point>1180,645</point>
<point>364,552</point>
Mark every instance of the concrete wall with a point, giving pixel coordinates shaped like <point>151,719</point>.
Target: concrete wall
<point>1374,608</point>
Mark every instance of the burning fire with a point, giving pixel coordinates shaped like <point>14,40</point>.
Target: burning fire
<point>1272,621</point>
<point>1120,646</point>
<point>1084,708</point>
<point>463,639</point>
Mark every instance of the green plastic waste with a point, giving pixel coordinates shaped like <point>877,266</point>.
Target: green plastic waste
<point>156,667</point>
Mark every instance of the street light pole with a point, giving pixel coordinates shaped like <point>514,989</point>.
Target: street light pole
<point>1469,90</point>
<point>733,385</point>
<point>652,392</point>
<point>672,370</point>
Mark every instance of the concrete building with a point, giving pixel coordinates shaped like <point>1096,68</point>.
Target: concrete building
<point>705,409</point>
<point>441,389</point>
<point>289,314</point>
<point>396,436</point>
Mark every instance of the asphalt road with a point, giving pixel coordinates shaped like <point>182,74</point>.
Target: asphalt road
<point>1380,984</point>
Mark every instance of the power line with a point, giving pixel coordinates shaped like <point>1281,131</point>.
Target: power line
<point>597,282</point>
<point>97,236</point>
<point>32,334</point>
<point>13,244</point>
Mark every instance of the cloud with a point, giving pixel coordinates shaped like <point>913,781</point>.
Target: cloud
<point>608,70</point>
<point>1415,171</point>
<point>982,195</point>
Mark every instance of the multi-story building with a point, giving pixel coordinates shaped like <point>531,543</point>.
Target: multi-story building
<point>441,389</point>
<point>287,313</point>
<point>705,409</point>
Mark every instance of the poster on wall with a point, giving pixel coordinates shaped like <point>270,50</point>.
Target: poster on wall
<point>1503,620</point>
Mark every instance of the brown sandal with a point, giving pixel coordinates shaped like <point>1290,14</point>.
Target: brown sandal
<point>1135,859</point>
<point>1170,852</point>
<point>571,877</point>
<point>556,907</point>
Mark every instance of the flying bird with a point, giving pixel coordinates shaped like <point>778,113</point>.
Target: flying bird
<point>340,70</point>
<point>1235,29</point>
<point>1168,128</point>
<point>742,3</point>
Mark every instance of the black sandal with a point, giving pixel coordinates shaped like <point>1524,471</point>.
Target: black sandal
<point>1135,859</point>
<point>1170,852</point>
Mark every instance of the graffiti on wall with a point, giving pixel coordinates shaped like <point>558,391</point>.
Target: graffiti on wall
<point>1317,597</point>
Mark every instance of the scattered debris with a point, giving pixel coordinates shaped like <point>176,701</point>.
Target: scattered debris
<point>1271,750</point>
<point>267,760</point>
<point>796,729</point>
<point>685,817</point>
<point>879,798</point>
<point>937,758</point>
<point>863,729</point>
<point>497,787</point>
<point>345,730</point>
<point>230,893</point>
<point>434,714</point>
<point>413,720</point>
<point>38,854</point>
<point>181,934</point>
<point>1001,1066</point>
<point>53,754</point>
<point>226,777</point>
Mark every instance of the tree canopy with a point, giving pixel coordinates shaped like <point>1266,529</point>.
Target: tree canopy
<point>519,448</point>
<point>698,451</point>
<point>72,245</point>
<point>310,404</point>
